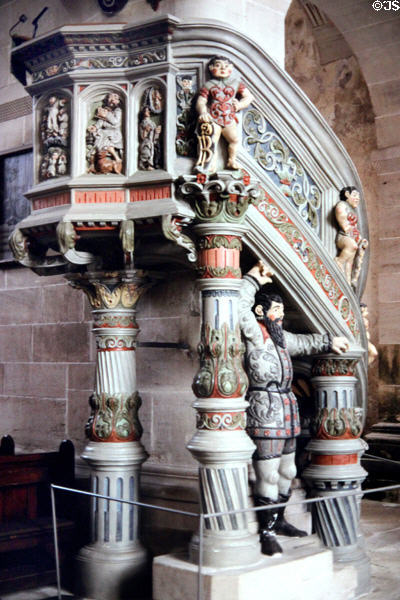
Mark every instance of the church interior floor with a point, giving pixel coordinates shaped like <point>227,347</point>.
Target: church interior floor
<point>380,523</point>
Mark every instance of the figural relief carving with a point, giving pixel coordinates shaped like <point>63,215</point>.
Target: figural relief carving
<point>186,89</point>
<point>150,129</point>
<point>350,243</point>
<point>219,100</point>
<point>54,137</point>
<point>104,137</point>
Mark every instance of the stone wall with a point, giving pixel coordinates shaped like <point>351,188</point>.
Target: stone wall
<point>338,90</point>
<point>46,360</point>
<point>373,36</point>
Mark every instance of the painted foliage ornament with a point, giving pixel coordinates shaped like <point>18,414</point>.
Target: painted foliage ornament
<point>112,6</point>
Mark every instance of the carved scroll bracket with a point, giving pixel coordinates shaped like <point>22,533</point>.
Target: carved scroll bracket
<point>172,229</point>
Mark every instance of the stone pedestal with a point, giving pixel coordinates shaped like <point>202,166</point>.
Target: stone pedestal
<point>304,570</point>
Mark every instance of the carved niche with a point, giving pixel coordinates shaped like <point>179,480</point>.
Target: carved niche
<point>104,135</point>
<point>54,136</point>
<point>150,128</point>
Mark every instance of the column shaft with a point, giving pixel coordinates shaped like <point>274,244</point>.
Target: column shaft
<point>335,454</point>
<point>115,557</point>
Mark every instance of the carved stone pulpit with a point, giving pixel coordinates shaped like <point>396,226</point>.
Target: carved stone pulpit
<point>129,181</point>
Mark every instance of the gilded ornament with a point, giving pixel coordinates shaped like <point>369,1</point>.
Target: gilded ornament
<point>221,421</point>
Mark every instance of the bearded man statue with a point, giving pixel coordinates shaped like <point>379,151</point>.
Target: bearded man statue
<point>273,420</point>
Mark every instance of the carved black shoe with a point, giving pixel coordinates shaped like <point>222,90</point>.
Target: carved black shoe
<point>269,543</point>
<point>282,527</point>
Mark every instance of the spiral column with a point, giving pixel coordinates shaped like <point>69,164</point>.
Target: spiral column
<point>115,556</point>
<point>220,442</point>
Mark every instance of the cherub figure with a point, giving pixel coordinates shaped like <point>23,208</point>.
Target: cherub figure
<point>372,351</point>
<point>350,243</point>
<point>219,100</point>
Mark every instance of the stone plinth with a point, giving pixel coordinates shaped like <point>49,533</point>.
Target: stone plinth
<point>303,571</point>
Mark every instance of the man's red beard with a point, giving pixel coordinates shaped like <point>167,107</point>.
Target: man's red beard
<point>275,330</point>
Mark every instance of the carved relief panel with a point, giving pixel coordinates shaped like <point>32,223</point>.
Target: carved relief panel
<point>186,90</point>
<point>151,129</point>
<point>105,142</point>
<point>54,136</point>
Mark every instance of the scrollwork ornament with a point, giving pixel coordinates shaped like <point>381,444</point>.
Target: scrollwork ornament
<point>172,230</point>
<point>220,241</point>
<point>282,166</point>
<point>223,197</point>
<point>19,245</point>
<point>121,295</point>
<point>221,421</point>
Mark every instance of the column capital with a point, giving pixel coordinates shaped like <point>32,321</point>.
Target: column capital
<point>337,365</point>
<point>112,290</point>
<point>222,197</point>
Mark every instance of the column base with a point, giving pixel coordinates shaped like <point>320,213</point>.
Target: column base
<point>231,550</point>
<point>356,556</point>
<point>109,573</point>
<point>303,570</point>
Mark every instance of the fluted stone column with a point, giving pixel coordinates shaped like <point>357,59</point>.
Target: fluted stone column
<point>335,451</point>
<point>220,443</point>
<point>115,556</point>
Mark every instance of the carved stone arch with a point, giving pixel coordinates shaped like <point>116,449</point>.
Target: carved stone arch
<point>94,94</point>
<point>137,100</point>
<point>63,102</point>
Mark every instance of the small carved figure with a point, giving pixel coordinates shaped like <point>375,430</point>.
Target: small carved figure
<point>63,120</point>
<point>149,142</point>
<point>372,351</point>
<point>349,241</point>
<point>54,155</point>
<point>185,94</point>
<point>105,137</point>
<point>54,163</point>
<point>52,115</point>
<point>186,117</point>
<point>217,105</point>
<point>273,420</point>
<point>54,133</point>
